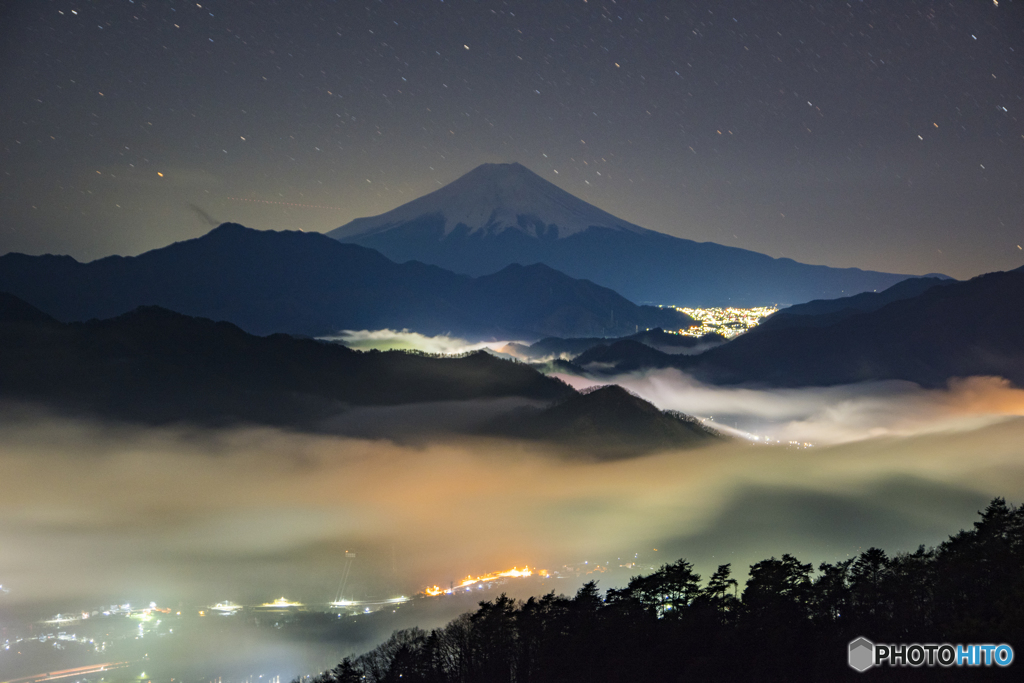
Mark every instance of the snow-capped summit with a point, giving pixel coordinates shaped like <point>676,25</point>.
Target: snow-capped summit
<point>493,198</point>
<point>500,214</point>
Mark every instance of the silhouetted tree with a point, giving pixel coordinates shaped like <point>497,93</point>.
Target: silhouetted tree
<point>494,641</point>
<point>789,624</point>
<point>868,586</point>
<point>379,662</point>
<point>670,588</point>
<point>830,595</point>
<point>778,589</point>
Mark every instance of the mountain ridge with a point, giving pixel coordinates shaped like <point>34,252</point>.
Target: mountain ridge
<point>309,284</point>
<point>922,339</point>
<point>157,366</point>
<point>606,422</point>
<point>555,347</point>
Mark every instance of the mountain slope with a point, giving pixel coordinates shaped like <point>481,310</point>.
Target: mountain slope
<point>960,329</point>
<point>498,214</point>
<point>557,347</point>
<point>957,329</point>
<point>157,366</point>
<point>493,198</point>
<point>822,312</point>
<point>306,283</point>
<point>605,423</point>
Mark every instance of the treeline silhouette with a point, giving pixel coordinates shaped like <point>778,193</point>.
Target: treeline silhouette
<point>789,623</point>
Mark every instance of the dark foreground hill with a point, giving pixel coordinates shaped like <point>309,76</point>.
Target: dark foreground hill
<point>605,423</point>
<point>309,284</point>
<point>157,366</point>
<point>953,329</point>
<point>498,214</point>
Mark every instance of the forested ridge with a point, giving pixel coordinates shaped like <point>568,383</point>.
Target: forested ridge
<point>789,622</point>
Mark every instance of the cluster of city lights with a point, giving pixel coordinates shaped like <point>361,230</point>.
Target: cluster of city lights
<point>728,322</point>
<point>470,581</point>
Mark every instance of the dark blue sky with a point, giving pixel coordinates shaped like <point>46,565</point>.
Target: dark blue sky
<point>884,134</point>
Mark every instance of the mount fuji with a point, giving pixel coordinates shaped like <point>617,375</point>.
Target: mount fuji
<point>500,214</point>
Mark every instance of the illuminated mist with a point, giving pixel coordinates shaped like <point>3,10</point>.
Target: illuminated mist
<point>405,340</point>
<point>829,415</point>
<point>94,513</point>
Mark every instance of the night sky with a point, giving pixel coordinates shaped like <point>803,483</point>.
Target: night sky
<point>884,134</point>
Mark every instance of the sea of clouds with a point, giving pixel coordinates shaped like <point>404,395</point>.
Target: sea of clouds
<point>95,512</point>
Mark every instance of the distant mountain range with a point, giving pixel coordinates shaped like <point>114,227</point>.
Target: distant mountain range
<point>309,284</point>
<point>951,329</point>
<point>500,214</point>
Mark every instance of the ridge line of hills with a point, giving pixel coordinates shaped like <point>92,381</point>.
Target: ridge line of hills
<point>552,348</point>
<point>309,284</point>
<point>155,366</point>
<point>919,332</point>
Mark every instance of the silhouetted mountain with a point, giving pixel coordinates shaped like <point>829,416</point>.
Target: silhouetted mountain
<point>309,284</point>
<point>558,347</point>
<point>14,310</point>
<point>957,329</point>
<point>157,366</point>
<point>625,355</point>
<point>498,214</point>
<point>605,423</point>
<point>676,343</point>
<point>829,311</point>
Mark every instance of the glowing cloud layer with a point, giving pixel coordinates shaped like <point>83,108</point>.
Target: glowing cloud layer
<point>830,415</point>
<point>100,512</point>
<point>404,340</point>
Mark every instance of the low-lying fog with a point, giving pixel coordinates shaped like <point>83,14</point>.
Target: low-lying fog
<point>828,415</point>
<point>406,340</point>
<point>94,513</point>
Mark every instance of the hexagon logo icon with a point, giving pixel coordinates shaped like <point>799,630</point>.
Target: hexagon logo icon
<point>862,654</point>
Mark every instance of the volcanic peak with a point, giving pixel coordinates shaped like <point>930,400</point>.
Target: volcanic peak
<point>491,199</point>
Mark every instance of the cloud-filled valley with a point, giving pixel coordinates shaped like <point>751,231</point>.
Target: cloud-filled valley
<point>202,514</point>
